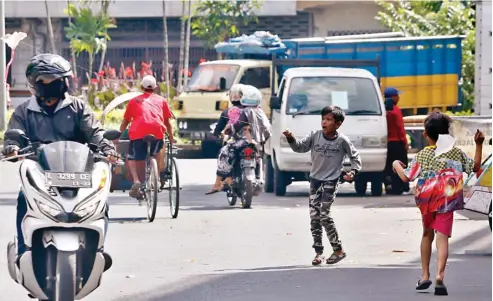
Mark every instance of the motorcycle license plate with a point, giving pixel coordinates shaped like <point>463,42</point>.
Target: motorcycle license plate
<point>68,179</point>
<point>247,163</point>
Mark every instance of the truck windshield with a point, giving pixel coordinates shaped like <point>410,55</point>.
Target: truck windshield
<point>309,95</point>
<point>206,77</point>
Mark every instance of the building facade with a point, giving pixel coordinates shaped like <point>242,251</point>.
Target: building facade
<point>139,33</point>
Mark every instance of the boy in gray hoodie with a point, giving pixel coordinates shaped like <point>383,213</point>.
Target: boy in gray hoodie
<point>328,148</point>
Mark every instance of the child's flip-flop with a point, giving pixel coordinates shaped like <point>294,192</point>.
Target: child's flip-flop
<point>440,288</point>
<point>335,258</point>
<point>423,284</point>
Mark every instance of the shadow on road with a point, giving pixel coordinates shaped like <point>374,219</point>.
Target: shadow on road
<point>324,283</point>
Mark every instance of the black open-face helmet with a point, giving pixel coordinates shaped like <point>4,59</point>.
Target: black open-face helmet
<point>47,75</point>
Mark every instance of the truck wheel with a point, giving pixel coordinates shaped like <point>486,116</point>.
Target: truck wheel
<point>268,175</point>
<point>279,182</point>
<point>360,185</point>
<point>376,188</point>
<point>209,149</point>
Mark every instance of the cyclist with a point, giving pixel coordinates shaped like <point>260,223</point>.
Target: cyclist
<point>148,113</point>
<point>252,119</point>
<point>232,114</point>
<point>51,115</point>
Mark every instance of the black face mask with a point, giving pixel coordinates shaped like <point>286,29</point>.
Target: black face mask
<point>45,92</point>
<point>56,89</point>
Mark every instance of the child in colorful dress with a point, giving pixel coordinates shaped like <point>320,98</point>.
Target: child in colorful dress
<point>439,169</point>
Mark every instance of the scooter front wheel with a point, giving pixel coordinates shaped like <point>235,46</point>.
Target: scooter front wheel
<point>64,289</point>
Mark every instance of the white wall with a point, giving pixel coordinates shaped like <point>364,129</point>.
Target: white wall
<point>346,16</point>
<point>127,8</point>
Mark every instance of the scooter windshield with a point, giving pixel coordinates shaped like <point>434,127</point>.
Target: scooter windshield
<point>66,156</point>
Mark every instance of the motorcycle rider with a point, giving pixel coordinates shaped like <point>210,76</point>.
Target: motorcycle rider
<point>252,119</point>
<point>51,115</point>
<point>232,114</point>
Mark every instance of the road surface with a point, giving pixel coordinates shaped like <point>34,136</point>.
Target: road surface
<point>214,252</point>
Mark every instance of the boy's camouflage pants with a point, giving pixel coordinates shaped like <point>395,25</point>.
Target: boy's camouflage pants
<point>322,195</point>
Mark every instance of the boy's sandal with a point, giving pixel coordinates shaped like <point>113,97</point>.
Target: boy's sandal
<point>440,288</point>
<point>423,284</point>
<point>319,258</point>
<point>335,258</point>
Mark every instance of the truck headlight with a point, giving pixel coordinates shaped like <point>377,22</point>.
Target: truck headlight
<point>374,142</point>
<point>48,208</point>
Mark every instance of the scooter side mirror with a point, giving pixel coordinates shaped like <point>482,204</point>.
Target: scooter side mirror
<point>16,135</point>
<point>112,134</point>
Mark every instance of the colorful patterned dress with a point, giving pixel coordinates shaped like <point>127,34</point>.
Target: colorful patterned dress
<point>440,179</point>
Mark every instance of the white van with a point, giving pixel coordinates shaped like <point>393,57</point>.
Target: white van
<point>302,93</point>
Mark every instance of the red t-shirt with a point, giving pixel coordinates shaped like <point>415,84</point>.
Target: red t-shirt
<point>147,114</point>
<point>395,125</point>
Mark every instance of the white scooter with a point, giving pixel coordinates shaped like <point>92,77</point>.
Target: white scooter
<point>66,186</point>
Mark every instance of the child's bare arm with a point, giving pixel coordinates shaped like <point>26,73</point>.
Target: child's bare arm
<point>399,170</point>
<point>478,139</point>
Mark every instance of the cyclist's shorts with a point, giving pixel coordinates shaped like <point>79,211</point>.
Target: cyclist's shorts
<point>137,149</point>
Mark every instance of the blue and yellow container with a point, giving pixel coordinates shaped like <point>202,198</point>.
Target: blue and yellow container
<point>427,70</point>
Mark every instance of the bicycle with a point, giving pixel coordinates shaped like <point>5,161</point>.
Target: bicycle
<point>172,180</point>
<point>152,187</point>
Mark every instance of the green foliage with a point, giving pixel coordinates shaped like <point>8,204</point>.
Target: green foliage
<point>87,32</point>
<point>431,18</point>
<point>214,21</point>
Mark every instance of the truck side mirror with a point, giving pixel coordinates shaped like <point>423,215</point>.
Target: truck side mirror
<point>222,84</point>
<point>275,103</point>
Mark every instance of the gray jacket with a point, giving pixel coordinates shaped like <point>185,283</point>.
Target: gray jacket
<point>73,120</point>
<point>258,121</point>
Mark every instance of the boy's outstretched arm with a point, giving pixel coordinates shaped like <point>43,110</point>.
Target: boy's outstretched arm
<point>302,146</point>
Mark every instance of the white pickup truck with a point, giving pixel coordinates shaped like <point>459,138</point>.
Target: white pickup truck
<point>303,92</point>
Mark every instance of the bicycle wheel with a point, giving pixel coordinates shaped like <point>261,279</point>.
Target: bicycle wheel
<point>174,188</point>
<point>152,190</point>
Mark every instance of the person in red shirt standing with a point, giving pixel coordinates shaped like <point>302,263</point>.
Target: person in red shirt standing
<point>397,142</point>
<point>148,114</point>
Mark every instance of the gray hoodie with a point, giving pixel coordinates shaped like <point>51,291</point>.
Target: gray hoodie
<point>327,154</point>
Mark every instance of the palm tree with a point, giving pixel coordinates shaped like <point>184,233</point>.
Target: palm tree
<point>72,52</point>
<point>166,49</point>
<point>88,32</point>
<point>187,42</point>
<point>182,45</point>
<point>50,28</point>
<point>105,5</point>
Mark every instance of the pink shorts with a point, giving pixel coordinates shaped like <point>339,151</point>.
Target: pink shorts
<point>440,222</point>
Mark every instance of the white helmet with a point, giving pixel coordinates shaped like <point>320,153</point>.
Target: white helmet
<point>235,92</point>
<point>251,96</point>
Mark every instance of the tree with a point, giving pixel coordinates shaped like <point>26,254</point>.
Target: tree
<point>182,44</point>
<point>215,21</point>
<point>88,32</point>
<point>187,44</point>
<point>72,53</point>
<point>105,5</point>
<point>50,28</point>
<point>166,51</point>
<point>431,18</point>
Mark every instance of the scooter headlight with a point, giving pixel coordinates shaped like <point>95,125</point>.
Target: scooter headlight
<point>87,209</point>
<point>49,209</point>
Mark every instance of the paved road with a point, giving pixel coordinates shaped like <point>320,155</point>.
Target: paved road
<point>214,252</point>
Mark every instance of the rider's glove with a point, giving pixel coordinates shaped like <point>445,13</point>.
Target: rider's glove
<point>9,150</point>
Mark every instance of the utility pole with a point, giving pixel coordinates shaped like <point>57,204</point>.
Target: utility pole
<point>3,79</point>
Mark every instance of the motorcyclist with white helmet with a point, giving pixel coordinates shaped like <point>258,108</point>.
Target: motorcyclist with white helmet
<point>252,119</point>
<point>51,115</point>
